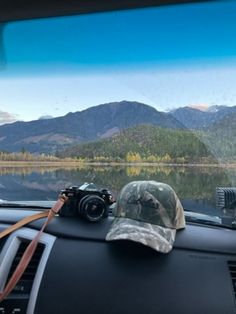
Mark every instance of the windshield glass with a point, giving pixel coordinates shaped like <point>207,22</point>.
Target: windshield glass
<point>108,98</point>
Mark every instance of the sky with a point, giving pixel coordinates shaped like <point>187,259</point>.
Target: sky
<point>167,57</point>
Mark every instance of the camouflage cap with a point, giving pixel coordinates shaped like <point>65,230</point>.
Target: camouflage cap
<point>148,212</point>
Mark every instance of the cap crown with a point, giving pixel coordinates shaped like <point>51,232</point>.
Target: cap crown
<point>151,202</point>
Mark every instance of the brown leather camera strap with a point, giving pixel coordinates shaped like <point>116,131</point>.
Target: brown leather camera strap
<point>24,262</point>
<point>23,222</point>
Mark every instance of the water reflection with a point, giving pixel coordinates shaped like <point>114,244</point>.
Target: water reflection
<point>194,185</point>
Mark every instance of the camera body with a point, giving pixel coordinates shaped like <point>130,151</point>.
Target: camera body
<point>86,201</point>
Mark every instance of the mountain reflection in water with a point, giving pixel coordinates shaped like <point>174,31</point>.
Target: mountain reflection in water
<point>195,186</point>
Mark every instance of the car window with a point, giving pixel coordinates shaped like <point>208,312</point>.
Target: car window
<point>108,98</point>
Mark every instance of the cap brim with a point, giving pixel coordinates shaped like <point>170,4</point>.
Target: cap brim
<point>158,238</point>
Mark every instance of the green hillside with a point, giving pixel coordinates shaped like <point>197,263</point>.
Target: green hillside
<point>145,143</point>
<point>220,138</point>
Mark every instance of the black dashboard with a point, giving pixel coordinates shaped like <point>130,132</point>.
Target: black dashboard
<point>79,272</point>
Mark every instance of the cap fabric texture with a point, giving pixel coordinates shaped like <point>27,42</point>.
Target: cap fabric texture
<point>147,212</point>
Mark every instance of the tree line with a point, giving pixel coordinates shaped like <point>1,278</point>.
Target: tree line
<point>26,156</point>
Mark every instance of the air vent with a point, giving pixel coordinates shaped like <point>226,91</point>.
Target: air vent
<point>24,296</point>
<point>2,242</point>
<point>25,283</point>
<point>232,269</point>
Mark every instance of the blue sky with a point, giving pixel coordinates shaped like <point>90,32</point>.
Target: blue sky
<point>167,57</point>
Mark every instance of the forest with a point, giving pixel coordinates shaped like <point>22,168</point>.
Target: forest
<point>146,143</point>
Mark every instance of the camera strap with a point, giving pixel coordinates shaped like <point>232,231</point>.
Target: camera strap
<point>29,252</point>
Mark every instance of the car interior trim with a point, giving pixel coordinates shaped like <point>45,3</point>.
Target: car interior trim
<point>8,254</point>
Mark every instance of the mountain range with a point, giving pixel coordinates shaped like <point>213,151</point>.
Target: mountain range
<point>99,122</point>
<point>193,118</point>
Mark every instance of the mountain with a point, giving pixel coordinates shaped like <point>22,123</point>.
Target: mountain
<point>53,135</point>
<point>99,122</point>
<point>196,119</point>
<point>221,138</point>
<point>227,125</point>
<point>217,143</point>
<point>144,143</point>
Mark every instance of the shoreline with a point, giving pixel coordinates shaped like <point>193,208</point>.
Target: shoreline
<point>132,164</point>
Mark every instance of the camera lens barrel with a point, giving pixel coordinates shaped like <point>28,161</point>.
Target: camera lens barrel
<point>92,207</point>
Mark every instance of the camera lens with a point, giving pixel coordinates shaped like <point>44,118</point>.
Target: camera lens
<point>92,207</point>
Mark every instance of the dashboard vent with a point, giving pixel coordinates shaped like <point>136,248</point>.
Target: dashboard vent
<point>25,283</point>
<point>2,242</point>
<point>232,270</point>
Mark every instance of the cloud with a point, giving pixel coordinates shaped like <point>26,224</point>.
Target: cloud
<point>202,107</point>
<point>6,117</point>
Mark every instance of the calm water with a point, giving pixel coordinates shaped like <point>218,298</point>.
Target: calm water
<point>195,186</point>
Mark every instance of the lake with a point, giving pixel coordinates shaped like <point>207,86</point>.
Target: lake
<point>195,185</point>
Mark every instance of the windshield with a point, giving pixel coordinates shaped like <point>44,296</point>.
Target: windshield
<point>109,98</point>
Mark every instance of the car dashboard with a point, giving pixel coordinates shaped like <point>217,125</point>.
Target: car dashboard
<point>74,270</point>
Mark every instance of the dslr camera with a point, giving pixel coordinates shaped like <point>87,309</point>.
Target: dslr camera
<point>86,201</point>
